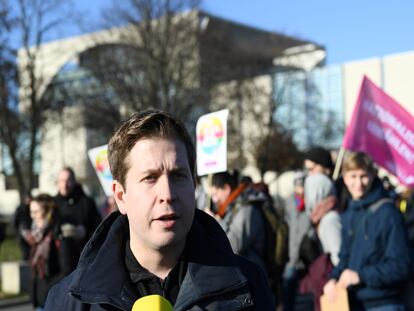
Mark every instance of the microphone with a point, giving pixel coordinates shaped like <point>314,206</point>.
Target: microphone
<point>152,303</point>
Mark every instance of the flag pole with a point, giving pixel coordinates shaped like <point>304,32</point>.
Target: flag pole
<point>338,163</point>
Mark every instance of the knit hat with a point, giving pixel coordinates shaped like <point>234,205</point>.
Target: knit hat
<point>320,156</point>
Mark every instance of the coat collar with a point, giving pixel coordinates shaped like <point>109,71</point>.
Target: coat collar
<point>101,275</point>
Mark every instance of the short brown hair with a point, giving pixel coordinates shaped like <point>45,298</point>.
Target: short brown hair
<point>148,124</point>
<point>357,160</point>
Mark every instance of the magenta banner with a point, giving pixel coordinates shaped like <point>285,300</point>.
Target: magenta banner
<point>382,128</point>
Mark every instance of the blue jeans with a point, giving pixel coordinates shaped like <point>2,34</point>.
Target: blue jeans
<point>394,307</point>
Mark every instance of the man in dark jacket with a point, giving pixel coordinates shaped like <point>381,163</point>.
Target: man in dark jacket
<point>77,215</point>
<point>75,207</point>
<point>374,258</point>
<point>160,244</point>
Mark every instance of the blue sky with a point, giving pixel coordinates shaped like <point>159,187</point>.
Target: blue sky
<point>349,29</point>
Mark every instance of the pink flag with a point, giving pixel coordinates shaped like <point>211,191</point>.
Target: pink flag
<point>383,129</point>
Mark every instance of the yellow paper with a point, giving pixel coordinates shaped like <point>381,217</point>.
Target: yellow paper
<point>339,304</point>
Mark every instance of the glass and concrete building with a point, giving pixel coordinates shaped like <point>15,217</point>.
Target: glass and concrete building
<point>313,102</point>
<point>223,53</point>
<point>316,105</point>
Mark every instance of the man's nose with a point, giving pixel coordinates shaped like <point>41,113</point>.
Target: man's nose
<point>165,190</point>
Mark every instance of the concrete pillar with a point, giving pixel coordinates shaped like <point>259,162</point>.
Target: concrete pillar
<point>15,277</point>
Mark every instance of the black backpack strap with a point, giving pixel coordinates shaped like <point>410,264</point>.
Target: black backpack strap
<point>374,207</point>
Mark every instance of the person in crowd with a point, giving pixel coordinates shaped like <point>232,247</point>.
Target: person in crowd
<point>299,224</point>
<point>389,187</point>
<point>23,222</point>
<point>318,160</point>
<point>44,255</point>
<point>406,206</point>
<point>319,247</point>
<point>200,194</point>
<point>321,200</point>
<point>109,206</point>
<point>159,242</point>
<point>243,223</point>
<point>405,203</point>
<point>375,257</point>
<point>77,213</point>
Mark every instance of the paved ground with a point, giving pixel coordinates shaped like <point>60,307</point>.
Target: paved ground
<point>21,307</point>
<point>16,304</point>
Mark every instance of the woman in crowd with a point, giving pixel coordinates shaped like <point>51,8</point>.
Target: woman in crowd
<point>44,259</point>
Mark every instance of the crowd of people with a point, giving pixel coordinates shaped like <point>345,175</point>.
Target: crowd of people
<point>52,232</point>
<point>354,233</point>
<point>236,251</point>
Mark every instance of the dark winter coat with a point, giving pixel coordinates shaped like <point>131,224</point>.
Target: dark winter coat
<point>374,244</point>
<point>216,278</point>
<point>78,209</point>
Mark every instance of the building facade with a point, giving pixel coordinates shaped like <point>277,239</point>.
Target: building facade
<point>321,101</point>
<point>314,102</point>
<point>224,54</point>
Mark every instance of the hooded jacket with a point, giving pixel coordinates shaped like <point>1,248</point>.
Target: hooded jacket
<point>318,188</point>
<point>374,244</point>
<point>216,278</point>
<point>245,228</point>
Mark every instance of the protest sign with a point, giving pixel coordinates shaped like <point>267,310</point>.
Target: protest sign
<point>340,303</point>
<point>211,131</point>
<point>99,158</point>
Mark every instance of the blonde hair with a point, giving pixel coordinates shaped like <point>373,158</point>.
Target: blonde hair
<point>358,160</point>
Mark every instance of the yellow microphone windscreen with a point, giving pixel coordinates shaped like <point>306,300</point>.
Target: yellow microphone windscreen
<point>152,303</point>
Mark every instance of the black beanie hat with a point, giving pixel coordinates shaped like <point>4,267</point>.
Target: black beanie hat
<point>320,156</point>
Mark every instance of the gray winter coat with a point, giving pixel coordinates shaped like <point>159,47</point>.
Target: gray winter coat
<point>299,226</point>
<point>245,228</point>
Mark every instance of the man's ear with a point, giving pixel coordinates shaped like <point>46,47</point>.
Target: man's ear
<point>119,196</point>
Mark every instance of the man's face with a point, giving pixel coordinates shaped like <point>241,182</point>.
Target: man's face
<point>313,167</point>
<point>358,182</point>
<point>65,183</point>
<point>219,195</point>
<point>158,197</point>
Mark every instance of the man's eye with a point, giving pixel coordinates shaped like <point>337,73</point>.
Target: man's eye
<point>150,178</point>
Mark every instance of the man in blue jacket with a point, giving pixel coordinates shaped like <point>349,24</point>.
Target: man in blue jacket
<point>374,259</point>
<point>158,243</point>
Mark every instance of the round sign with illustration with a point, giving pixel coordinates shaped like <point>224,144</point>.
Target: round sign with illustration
<point>210,134</point>
<point>102,164</point>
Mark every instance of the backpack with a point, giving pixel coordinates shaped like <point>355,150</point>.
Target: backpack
<point>277,230</point>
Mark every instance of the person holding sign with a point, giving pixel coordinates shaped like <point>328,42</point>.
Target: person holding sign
<point>158,243</point>
<point>374,260</point>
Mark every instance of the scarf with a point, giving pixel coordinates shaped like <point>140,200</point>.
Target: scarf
<point>322,208</point>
